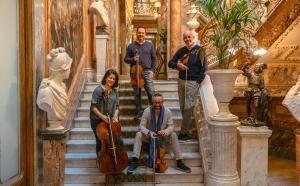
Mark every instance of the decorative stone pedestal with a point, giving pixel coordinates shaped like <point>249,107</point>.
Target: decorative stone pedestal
<point>254,155</point>
<point>90,75</point>
<point>223,135</point>
<point>223,131</point>
<point>54,149</point>
<point>101,52</point>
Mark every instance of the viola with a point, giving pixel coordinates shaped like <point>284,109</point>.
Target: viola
<point>136,78</point>
<point>160,164</point>
<point>111,158</point>
<point>184,59</point>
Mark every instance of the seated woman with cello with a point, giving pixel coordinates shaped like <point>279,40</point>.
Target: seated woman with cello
<point>105,124</point>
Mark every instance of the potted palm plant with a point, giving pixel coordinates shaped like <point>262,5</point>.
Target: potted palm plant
<point>230,27</point>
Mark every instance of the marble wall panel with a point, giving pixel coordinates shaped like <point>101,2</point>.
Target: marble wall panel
<point>67,29</point>
<point>39,63</point>
<point>285,74</point>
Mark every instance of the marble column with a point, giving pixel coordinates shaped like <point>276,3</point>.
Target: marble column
<point>101,53</point>
<point>297,133</point>
<point>254,155</point>
<point>175,32</point>
<point>223,135</point>
<point>163,10</point>
<point>90,71</point>
<point>54,149</point>
<point>122,32</point>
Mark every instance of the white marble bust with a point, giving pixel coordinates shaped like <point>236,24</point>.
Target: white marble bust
<point>292,100</point>
<point>52,96</point>
<point>97,7</point>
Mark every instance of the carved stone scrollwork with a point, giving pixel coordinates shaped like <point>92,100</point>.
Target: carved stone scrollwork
<point>203,133</point>
<point>269,32</point>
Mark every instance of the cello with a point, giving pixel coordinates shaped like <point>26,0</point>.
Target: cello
<point>136,78</point>
<point>112,159</point>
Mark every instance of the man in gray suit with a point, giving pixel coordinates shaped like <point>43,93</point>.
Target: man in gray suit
<point>156,122</point>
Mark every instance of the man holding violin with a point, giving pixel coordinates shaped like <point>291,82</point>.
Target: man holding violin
<point>190,61</point>
<point>156,123</point>
<point>141,53</point>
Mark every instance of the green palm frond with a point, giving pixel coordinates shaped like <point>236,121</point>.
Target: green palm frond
<point>231,25</point>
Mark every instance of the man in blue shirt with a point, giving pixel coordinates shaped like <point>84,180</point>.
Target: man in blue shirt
<point>143,53</point>
<point>191,63</point>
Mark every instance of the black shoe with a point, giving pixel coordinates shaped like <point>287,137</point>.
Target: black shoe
<point>184,137</point>
<point>182,167</point>
<point>139,115</point>
<point>150,165</point>
<point>133,166</point>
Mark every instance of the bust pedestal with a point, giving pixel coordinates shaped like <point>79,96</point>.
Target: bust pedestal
<point>101,52</point>
<point>254,155</point>
<point>54,149</point>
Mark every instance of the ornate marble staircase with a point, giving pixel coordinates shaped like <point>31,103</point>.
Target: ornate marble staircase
<point>80,162</point>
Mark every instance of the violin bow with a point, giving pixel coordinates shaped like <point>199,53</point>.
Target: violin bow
<point>112,139</point>
<point>154,162</point>
<point>137,70</point>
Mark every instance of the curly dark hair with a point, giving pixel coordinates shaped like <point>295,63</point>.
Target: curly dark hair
<point>108,73</point>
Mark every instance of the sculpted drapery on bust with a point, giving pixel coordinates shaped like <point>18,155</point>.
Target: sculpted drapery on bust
<point>97,7</point>
<point>292,100</point>
<point>52,96</point>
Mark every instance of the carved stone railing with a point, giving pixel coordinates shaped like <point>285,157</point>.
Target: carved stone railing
<point>281,14</point>
<point>206,106</point>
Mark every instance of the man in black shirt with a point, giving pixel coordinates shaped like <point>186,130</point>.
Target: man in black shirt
<point>191,63</point>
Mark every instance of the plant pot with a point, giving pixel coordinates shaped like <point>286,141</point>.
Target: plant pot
<point>223,81</point>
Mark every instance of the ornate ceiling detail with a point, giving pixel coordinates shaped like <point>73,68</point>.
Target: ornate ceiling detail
<point>278,22</point>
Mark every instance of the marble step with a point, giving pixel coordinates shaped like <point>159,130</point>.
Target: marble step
<point>84,122</point>
<point>90,145</point>
<point>171,175</point>
<point>84,175</point>
<point>83,184</point>
<point>124,110</point>
<point>141,184</point>
<point>167,92</point>
<point>130,100</point>
<point>158,84</point>
<point>87,133</point>
<point>88,160</point>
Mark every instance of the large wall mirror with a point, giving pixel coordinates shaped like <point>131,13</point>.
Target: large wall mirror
<point>9,94</point>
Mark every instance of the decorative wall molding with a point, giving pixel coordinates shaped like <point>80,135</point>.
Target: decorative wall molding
<point>284,52</point>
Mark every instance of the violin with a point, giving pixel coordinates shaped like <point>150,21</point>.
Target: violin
<point>160,164</point>
<point>112,159</point>
<point>136,78</point>
<point>184,59</point>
